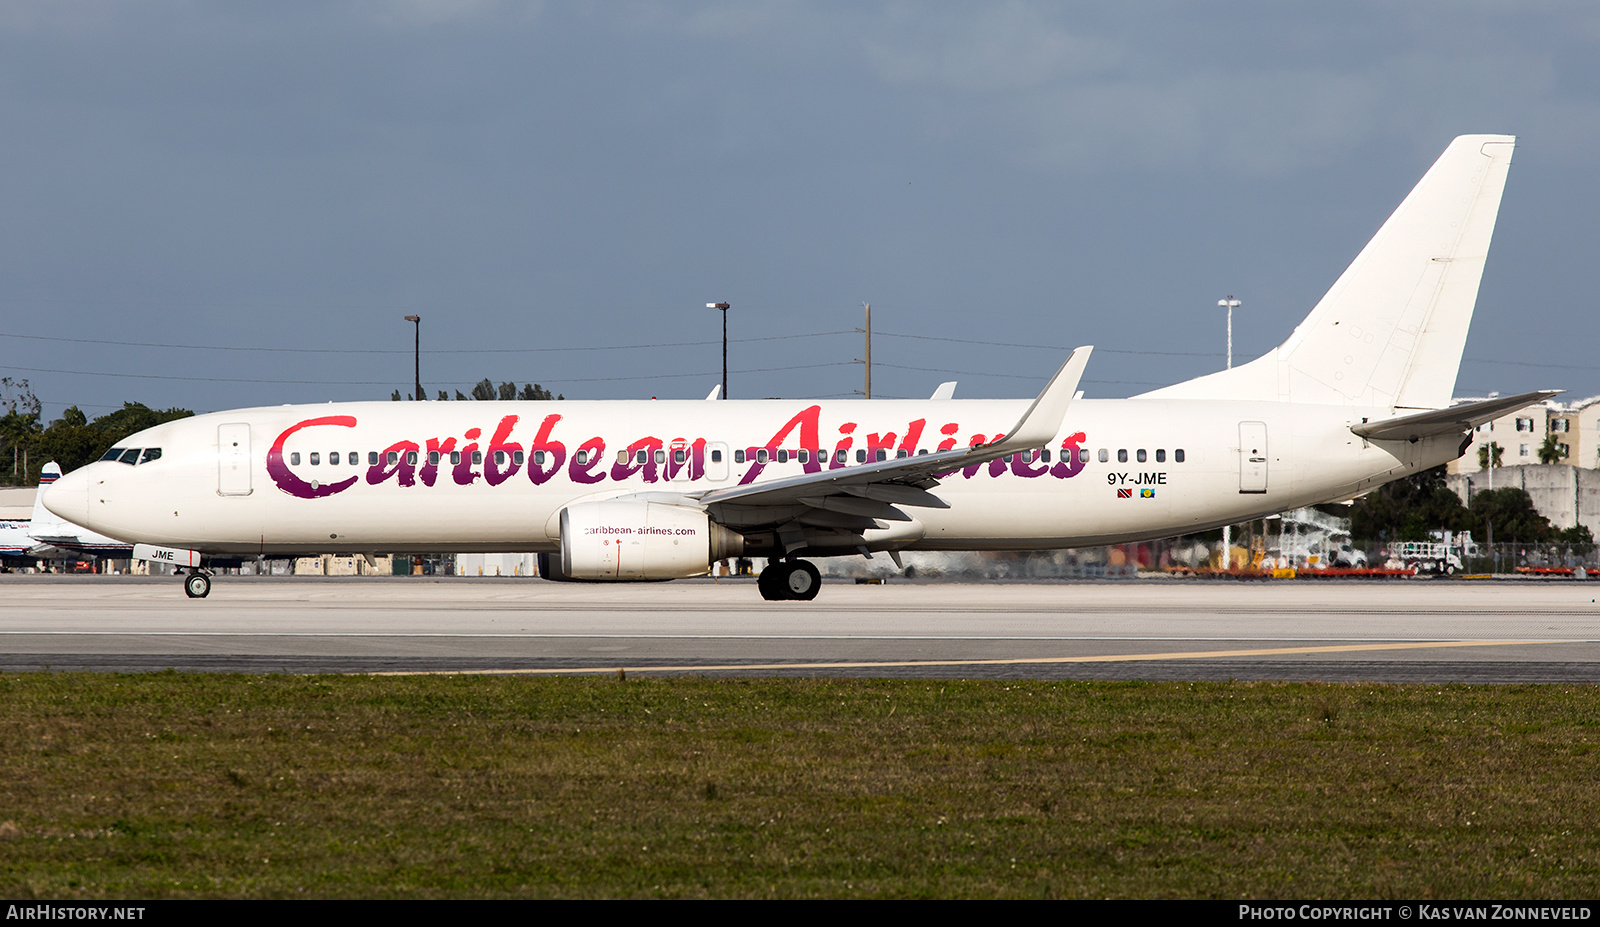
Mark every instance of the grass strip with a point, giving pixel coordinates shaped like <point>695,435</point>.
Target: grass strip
<point>207,785</point>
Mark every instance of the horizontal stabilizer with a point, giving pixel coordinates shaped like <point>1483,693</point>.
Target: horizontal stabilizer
<point>1451,421</point>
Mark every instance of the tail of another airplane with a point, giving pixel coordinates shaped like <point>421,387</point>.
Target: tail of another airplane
<point>1391,330</point>
<point>45,522</point>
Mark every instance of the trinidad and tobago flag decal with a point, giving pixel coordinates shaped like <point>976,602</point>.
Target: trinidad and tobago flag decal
<point>1124,494</point>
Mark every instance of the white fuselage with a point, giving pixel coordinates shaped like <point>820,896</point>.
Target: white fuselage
<point>263,481</point>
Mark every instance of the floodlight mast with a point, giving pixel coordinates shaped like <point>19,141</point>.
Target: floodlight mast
<point>416,356</point>
<point>724,307</point>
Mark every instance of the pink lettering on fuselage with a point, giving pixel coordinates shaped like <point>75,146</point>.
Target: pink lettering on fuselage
<point>647,459</point>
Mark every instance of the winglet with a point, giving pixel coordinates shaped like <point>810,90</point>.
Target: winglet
<point>1043,419</point>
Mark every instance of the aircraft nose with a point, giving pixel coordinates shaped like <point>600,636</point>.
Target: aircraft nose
<point>68,497</point>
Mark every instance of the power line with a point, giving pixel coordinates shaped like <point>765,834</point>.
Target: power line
<point>1048,347</point>
<point>155,376</point>
<point>226,347</point>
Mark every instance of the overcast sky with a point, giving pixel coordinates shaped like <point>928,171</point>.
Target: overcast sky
<point>229,204</point>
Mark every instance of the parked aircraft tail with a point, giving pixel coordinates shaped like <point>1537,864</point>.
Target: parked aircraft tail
<point>1391,330</point>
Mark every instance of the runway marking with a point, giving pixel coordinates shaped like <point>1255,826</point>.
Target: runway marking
<point>1011,661</point>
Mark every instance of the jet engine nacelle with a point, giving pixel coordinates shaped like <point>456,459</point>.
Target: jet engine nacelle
<point>622,539</point>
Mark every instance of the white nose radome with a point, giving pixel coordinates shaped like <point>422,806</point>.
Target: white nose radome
<point>68,497</point>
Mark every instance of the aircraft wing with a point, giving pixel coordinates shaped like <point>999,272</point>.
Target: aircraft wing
<point>863,496</point>
<point>1451,421</point>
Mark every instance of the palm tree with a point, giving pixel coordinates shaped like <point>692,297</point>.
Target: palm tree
<point>1484,451</point>
<point>1550,451</point>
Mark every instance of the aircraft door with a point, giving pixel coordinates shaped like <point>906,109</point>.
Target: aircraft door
<point>1252,456</point>
<point>233,459</point>
<point>716,461</point>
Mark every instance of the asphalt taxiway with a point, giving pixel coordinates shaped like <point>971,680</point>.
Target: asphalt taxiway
<point>1394,631</point>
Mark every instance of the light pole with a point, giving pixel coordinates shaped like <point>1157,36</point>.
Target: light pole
<point>724,308</point>
<point>1229,304</point>
<point>416,356</point>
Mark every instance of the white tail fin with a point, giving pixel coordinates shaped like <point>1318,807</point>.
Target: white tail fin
<point>46,522</point>
<point>1391,330</point>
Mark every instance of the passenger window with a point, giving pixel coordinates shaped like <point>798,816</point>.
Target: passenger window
<point>333,458</point>
<point>433,458</point>
<point>1177,456</point>
<point>861,456</point>
<point>411,458</point>
<point>150,453</point>
<point>538,457</point>
<point>477,458</point>
<point>881,455</point>
<point>130,456</point>
<point>761,455</point>
<point>716,456</point>
<point>294,459</point>
<point>1161,455</point>
<point>783,456</point>
<point>1103,455</point>
<point>661,457</point>
<point>581,458</point>
<point>679,455</point>
<point>922,452</point>
<point>622,457</point>
<point>1044,455</point>
<point>805,455</point>
<point>1083,455</point>
<point>1122,455</point>
<point>738,456</point>
<point>372,458</point>
<point>841,456</point>
<point>316,459</point>
<point>643,456</point>
<point>499,458</point>
<point>900,453</point>
<point>517,458</point>
<point>1141,455</point>
<point>354,458</point>
<point>394,457</point>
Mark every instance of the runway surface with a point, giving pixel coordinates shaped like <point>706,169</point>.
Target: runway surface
<point>1395,631</point>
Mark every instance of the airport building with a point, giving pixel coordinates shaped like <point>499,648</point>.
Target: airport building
<point>1520,435</point>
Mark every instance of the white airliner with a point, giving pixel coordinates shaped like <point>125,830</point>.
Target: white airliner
<point>47,537</point>
<point>617,490</point>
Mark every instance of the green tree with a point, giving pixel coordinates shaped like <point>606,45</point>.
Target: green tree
<point>1511,513</point>
<point>1550,451</point>
<point>1406,510</point>
<point>1483,455</point>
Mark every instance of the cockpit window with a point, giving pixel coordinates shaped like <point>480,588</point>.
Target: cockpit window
<point>150,453</point>
<point>113,454</point>
<point>130,456</point>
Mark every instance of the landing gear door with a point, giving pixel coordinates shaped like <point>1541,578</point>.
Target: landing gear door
<point>1252,456</point>
<point>233,459</point>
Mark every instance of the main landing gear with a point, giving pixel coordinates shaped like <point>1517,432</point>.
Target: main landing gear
<point>196,585</point>
<point>789,579</point>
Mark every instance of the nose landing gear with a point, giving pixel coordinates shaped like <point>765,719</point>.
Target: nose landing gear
<point>789,579</point>
<point>197,585</point>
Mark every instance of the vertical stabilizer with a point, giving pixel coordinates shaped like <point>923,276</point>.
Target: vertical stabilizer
<point>1391,330</point>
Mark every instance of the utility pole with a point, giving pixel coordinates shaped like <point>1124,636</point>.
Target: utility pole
<point>724,307</point>
<point>868,362</point>
<point>416,355</point>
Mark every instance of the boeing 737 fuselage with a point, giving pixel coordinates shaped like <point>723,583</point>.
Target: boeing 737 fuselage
<point>1359,395</point>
